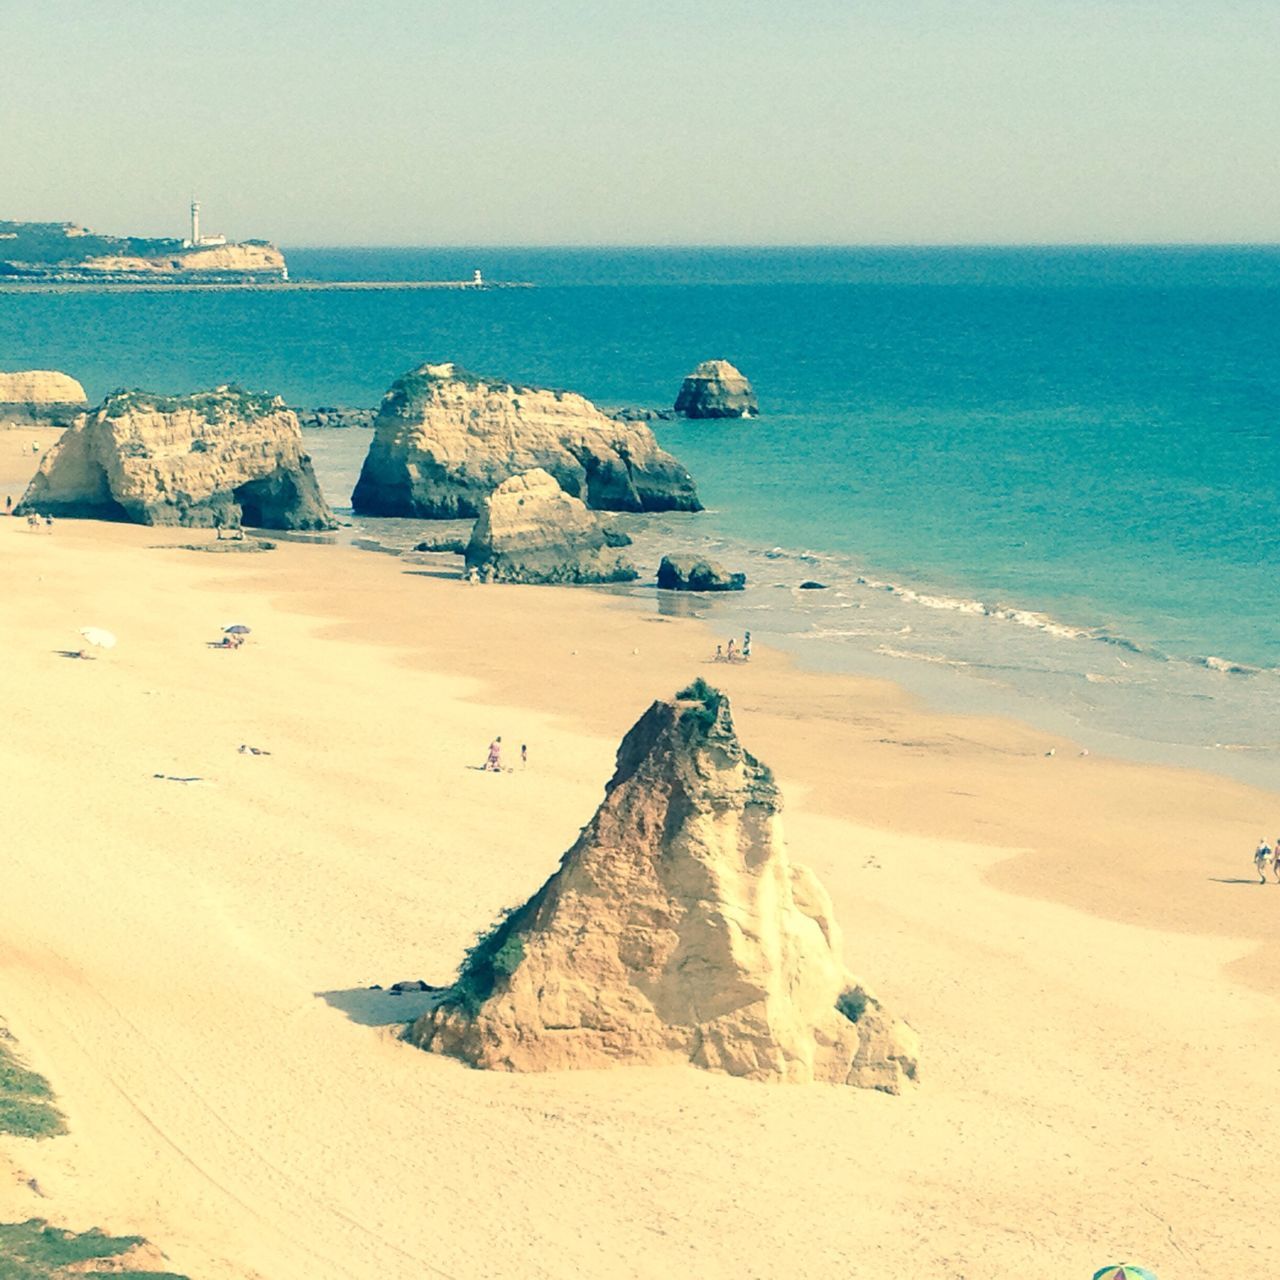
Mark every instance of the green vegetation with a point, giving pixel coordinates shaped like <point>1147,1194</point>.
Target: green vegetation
<point>496,953</point>
<point>36,1251</point>
<point>48,244</point>
<point>413,389</point>
<point>699,719</point>
<point>214,406</point>
<point>852,1003</point>
<point>26,1101</point>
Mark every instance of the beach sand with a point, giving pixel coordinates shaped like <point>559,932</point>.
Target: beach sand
<point>1078,941</point>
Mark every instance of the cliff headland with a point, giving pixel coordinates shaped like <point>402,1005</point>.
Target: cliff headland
<point>64,253</point>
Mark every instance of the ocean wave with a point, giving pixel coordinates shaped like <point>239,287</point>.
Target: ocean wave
<point>836,633</point>
<point>980,609</point>
<point>1227,667</point>
<point>937,659</point>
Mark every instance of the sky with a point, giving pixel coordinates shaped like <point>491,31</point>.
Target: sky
<point>416,122</point>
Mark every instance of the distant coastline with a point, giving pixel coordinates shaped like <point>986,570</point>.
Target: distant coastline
<point>187,285</point>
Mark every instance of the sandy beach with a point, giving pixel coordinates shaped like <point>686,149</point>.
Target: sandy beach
<point>190,932</point>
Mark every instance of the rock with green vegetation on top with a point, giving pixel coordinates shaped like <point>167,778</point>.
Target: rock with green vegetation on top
<point>676,930</point>
<point>216,458</point>
<point>445,438</point>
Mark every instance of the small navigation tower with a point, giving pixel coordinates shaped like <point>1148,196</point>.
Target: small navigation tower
<point>195,222</point>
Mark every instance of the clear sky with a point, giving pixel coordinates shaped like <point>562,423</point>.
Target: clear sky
<point>647,121</point>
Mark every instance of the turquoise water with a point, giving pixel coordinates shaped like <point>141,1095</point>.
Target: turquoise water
<point>1033,478</point>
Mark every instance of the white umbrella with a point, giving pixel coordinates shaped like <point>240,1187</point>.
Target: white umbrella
<point>99,638</point>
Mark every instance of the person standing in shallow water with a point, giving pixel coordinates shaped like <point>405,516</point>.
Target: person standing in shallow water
<point>1261,859</point>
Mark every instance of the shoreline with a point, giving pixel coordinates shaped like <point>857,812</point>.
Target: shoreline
<point>192,979</point>
<point>257,286</point>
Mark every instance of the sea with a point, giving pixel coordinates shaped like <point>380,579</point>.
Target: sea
<point>1041,482</point>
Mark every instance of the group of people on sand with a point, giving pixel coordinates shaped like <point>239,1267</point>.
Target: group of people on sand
<point>732,652</point>
<point>493,763</point>
<point>37,522</point>
<point>1266,857</point>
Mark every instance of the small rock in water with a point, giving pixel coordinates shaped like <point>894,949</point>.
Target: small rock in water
<point>813,586</point>
<point>689,573</point>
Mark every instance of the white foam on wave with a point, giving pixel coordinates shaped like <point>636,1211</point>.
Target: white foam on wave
<point>1227,667</point>
<point>836,633</point>
<point>937,659</point>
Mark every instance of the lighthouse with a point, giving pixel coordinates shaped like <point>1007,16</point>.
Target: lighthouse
<point>197,240</point>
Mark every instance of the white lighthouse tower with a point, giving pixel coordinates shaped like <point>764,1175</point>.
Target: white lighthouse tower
<point>199,241</point>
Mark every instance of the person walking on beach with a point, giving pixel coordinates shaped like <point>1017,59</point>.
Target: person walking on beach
<point>1262,859</point>
<point>494,763</point>
<point>731,653</point>
<point>746,646</point>
<point>524,755</point>
<point>1275,860</point>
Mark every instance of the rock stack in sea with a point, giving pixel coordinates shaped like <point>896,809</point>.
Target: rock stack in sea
<point>530,530</point>
<point>715,389</point>
<point>40,397</point>
<point>445,438</point>
<point>214,458</point>
<point>692,573</point>
<point>676,930</point>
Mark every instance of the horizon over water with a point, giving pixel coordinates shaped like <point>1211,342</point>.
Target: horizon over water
<point>1042,481</point>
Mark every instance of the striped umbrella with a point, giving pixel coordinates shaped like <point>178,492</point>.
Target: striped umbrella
<point>1124,1271</point>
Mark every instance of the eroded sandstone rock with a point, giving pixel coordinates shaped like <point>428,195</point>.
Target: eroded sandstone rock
<point>40,396</point>
<point>675,930</point>
<point>715,389</point>
<point>445,438</point>
<point>530,530</point>
<point>217,457</point>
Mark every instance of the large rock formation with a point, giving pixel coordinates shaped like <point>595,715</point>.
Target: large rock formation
<point>530,530</point>
<point>715,389</point>
<point>691,573</point>
<point>675,930</point>
<point>216,457</point>
<point>445,438</point>
<point>40,396</point>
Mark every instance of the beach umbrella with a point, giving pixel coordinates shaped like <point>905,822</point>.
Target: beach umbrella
<point>99,638</point>
<point>237,629</point>
<point>1124,1271</point>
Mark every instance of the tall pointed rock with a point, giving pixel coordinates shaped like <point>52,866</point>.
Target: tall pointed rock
<point>675,930</point>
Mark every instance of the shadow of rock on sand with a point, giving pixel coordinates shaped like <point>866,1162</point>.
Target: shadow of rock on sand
<point>1225,880</point>
<point>374,1007</point>
<point>451,575</point>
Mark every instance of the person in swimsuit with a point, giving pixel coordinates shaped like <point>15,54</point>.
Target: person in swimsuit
<point>494,763</point>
